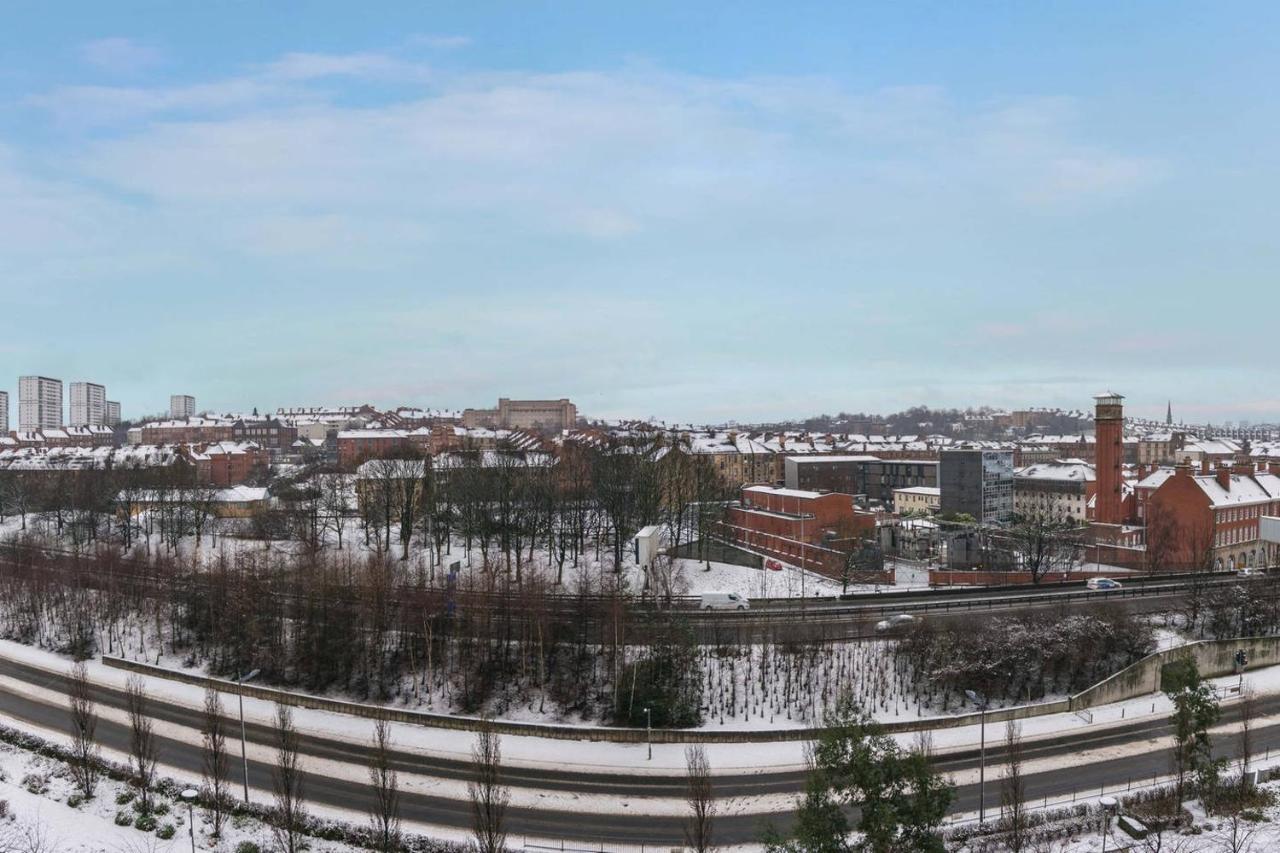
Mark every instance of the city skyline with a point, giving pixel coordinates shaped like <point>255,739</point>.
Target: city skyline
<point>674,213</point>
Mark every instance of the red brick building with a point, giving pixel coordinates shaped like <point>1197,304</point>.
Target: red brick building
<point>229,463</point>
<point>1208,519</point>
<point>358,445</point>
<point>814,530</point>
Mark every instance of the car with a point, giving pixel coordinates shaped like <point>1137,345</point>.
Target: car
<point>723,601</point>
<point>1250,572</point>
<point>902,620</point>
<point>773,565</point>
<point>1102,584</point>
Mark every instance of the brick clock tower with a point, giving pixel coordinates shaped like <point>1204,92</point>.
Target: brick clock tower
<point>1109,433</point>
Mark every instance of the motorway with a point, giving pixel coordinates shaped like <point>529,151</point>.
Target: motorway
<point>1121,753</point>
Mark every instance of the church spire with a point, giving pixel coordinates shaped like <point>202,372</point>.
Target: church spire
<point>1168,414</point>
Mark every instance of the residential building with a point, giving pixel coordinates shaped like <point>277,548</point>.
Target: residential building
<point>359,445</point>
<point>88,404</point>
<point>1209,519</point>
<point>977,482</point>
<point>39,403</point>
<point>112,416</point>
<point>181,406</point>
<point>543,415</point>
<point>4,412</point>
<point>917,499</point>
<point>190,430</point>
<point>1058,490</point>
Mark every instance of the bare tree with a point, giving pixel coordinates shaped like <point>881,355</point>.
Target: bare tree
<point>142,741</point>
<point>1013,790</point>
<point>701,798</point>
<point>1236,834</point>
<point>385,816</point>
<point>489,797</point>
<point>286,777</point>
<point>1248,710</point>
<point>217,768</point>
<point>84,724</point>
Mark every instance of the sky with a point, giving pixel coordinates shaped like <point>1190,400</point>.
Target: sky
<point>694,212</point>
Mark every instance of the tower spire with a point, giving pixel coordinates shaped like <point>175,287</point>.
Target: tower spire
<point>1168,414</point>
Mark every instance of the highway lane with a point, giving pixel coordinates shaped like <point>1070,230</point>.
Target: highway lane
<point>582,825</point>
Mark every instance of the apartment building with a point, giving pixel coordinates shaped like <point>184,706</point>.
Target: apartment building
<point>1058,490</point>
<point>112,417</point>
<point>39,403</point>
<point>4,413</point>
<point>181,406</point>
<point>88,404</point>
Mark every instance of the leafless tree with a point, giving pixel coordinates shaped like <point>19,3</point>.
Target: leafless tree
<point>701,799</point>
<point>1235,835</point>
<point>142,741</point>
<point>1013,790</point>
<point>489,797</point>
<point>1248,710</point>
<point>286,777</point>
<point>216,761</point>
<point>1044,542</point>
<point>84,723</point>
<point>385,815</point>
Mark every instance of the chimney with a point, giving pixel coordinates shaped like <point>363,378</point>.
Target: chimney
<point>1204,465</point>
<point>1223,474</point>
<point>1274,467</point>
<point>1182,469</point>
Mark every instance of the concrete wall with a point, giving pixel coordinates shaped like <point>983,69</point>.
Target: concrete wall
<point>1212,657</point>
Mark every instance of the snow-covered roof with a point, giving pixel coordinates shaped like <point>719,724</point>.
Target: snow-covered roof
<point>1072,470</point>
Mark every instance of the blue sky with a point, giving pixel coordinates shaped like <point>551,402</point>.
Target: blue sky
<point>725,211</point>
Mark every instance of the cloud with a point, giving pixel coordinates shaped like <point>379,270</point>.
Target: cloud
<point>315,66</point>
<point>441,42</point>
<point>120,55</point>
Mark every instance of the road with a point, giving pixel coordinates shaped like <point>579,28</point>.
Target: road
<point>1145,743</point>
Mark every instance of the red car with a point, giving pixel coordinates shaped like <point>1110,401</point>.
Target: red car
<point>773,565</point>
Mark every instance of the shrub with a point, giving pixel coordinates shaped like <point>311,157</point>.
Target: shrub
<point>160,809</point>
<point>248,847</point>
<point>75,800</point>
<point>165,832</point>
<point>124,819</point>
<point>145,822</point>
<point>124,798</point>
<point>35,783</point>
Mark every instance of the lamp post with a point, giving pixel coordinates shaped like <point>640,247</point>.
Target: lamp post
<point>648,731</point>
<point>241,678</point>
<point>189,797</point>
<point>981,702</point>
<point>1108,806</point>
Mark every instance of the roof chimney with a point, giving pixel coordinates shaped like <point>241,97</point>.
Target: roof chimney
<point>1204,464</point>
<point>1223,474</point>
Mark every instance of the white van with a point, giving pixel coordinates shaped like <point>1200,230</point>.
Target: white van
<point>723,601</point>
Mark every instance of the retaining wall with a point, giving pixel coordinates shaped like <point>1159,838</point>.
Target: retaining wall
<point>1213,657</point>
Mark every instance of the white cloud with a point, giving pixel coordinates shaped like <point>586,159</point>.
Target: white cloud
<point>441,42</point>
<point>120,55</point>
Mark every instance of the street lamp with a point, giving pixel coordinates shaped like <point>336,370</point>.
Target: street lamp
<point>648,731</point>
<point>981,702</point>
<point>241,678</point>
<point>189,797</point>
<point>1108,806</point>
